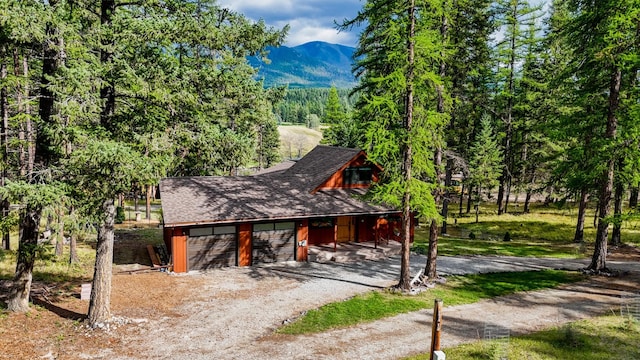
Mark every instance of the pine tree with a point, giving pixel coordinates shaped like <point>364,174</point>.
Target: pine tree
<point>486,160</point>
<point>605,62</point>
<point>333,111</point>
<point>398,102</point>
<point>516,16</point>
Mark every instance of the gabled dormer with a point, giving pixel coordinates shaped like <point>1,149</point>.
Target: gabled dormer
<point>331,167</point>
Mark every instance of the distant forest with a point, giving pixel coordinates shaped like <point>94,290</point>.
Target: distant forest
<point>299,105</point>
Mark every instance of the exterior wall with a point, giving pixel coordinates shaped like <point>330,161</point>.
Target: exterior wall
<point>363,229</point>
<point>321,231</point>
<point>244,244</point>
<point>366,228</point>
<point>302,248</point>
<point>336,181</point>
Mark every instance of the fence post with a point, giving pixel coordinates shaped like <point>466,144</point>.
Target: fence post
<point>436,327</point>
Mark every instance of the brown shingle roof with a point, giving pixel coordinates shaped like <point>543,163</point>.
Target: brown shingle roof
<point>276,195</point>
<point>217,199</point>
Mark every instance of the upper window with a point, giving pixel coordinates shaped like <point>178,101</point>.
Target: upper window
<point>357,175</point>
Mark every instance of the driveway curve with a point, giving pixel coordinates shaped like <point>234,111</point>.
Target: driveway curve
<point>234,311</point>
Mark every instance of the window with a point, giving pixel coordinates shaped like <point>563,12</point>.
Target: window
<point>357,175</point>
<point>219,230</point>
<point>200,231</point>
<point>274,226</point>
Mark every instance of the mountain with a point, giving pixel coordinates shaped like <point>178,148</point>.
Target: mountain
<point>315,64</point>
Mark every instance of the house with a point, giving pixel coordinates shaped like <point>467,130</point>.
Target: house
<point>273,216</point>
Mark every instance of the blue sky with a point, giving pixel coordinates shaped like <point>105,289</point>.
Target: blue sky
<point>309,20</point>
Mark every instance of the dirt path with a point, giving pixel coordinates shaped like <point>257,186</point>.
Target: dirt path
<point>231,313</point>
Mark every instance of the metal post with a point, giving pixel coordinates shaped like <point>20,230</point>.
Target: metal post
<point>436,327</point>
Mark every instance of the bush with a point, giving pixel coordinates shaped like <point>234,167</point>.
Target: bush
<point>120,216</point>
<point>472,235</point>
<point>507,236</point>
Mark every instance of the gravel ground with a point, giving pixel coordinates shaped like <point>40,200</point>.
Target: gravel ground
<point>233,312</point>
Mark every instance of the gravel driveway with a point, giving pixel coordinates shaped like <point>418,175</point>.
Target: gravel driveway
<point>234,313</point>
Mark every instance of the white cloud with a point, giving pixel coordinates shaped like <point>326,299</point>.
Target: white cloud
<point>309,20</point>
<point>305,30</point>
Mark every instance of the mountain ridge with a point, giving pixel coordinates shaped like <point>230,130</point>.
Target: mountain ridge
<point>315,64</point>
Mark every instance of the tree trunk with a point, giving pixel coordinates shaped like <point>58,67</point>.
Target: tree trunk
<point>462,188</point>
<point>60,234</point>
<point>500,199</point>
<point>477,205</point>
<point>582,211</point>
<point>507,194</point>
<point>527,202</point>
<point>108,89</point>
<point>22,96</point>
<point>407,157</point>
<point>430,270</point>
<point>99,305</point>
<point>73,254</point>
<point>4,141</point>
<point>617,214</point>
<point>633,197</point>
<point>599,259</point>
<point>148,204</point>
<point>447,195</point>
<point>469,199</point>
<point>18,300</point>
<point>505,179</point>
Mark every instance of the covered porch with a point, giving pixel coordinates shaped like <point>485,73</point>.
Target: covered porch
<point>345,252</point>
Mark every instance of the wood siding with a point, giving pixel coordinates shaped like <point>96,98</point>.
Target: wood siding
<point>336,181</point>
<point>302,250</point>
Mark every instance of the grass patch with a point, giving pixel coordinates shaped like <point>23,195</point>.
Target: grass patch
<point>545,232</point>
<point>607,337</point>
<point>450,246</point>
<point>55,270</point>
<point>457,291</point>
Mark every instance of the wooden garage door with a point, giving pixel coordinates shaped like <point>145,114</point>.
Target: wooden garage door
<point>211,247</point>
<point>274,242</point>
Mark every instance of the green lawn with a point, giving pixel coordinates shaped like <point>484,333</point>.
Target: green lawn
<point>457,290</point>
<point>546,232</point>
<point>607,337</point>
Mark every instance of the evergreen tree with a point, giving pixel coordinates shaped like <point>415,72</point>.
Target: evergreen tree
<point>397,106</point>
<point>333,111</point>
<point>516,16</point>
<point>604,35</point>
<point>486,160</point>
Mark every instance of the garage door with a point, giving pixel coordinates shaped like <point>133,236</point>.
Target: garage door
<point>211,247</point>
<point>274,242</point>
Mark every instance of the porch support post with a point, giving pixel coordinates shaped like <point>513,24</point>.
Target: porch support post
<point>335,234</point>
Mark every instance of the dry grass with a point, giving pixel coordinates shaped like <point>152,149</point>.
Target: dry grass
<point>296,141</point>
